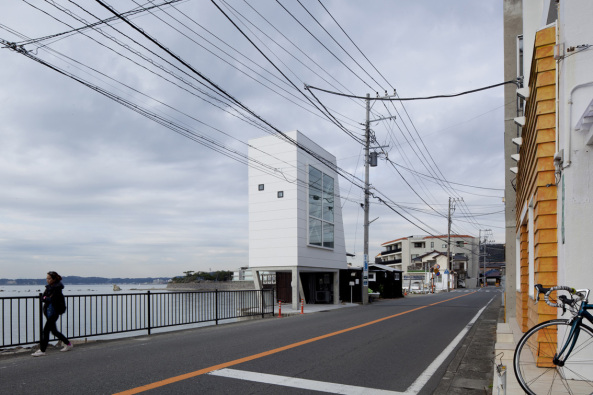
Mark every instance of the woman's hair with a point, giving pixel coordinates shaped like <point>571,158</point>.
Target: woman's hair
<point>55,276</point>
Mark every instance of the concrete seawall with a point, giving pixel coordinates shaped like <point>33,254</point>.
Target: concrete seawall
<point>212,285</point>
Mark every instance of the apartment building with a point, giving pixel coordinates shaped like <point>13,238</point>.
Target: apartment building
<point>403,254</point>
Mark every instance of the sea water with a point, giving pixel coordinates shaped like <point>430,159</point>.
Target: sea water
<point>92,289</point>
<point>10,330</point>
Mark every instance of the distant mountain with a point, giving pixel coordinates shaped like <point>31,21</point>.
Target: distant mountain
<point>76,280</point>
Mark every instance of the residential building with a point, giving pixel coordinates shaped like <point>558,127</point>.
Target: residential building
<point>401,252</point>
<point>555,161</point>
<point>433,270</point>
<point>295,218</point>
<point>553,168</point>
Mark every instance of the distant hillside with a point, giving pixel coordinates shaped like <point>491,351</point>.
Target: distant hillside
<point>76,280</point>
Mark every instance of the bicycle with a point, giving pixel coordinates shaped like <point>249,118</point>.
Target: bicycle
<point>556,356</point>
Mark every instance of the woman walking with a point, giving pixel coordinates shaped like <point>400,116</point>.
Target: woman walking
<point>54,304</point>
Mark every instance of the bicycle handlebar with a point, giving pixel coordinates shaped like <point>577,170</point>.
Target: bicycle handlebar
<point>546,291</point>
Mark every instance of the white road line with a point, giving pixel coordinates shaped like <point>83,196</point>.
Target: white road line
<point>300,383</point>
<point>431,369</point>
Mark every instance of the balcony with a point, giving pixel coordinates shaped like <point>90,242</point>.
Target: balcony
<point>387,252</point>
<point>390,260</point>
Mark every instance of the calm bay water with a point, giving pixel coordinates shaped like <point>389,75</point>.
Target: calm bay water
<point>180,305</point>
<point>93,289</point>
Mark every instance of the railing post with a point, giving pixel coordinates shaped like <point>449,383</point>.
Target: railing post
<point>263,309</point>
<point>148,310</point>
<point>216,305</point>
<point>40,316</point>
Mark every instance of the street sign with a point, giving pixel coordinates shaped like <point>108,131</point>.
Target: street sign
<point>446,271</point>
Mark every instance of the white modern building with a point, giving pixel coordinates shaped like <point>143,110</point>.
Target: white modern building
<point>295,218</point>
<point>400,254</point>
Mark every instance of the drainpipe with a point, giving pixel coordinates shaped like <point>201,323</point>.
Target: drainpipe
<point>557,82</point>
<point>568,129</point>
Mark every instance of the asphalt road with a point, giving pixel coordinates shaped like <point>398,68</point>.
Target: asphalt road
<point>386,346</point>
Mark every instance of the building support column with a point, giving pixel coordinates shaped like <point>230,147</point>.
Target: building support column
<point>256,279</point>
<point>336,287</point>
<point>296,281</point>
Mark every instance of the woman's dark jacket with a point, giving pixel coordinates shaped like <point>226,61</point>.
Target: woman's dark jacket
<point>53,296</point>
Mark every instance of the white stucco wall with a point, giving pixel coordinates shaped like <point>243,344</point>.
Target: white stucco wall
<point>278,227</point>
<point>575,190</point>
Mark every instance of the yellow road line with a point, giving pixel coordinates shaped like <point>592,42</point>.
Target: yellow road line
<point>200,372</point>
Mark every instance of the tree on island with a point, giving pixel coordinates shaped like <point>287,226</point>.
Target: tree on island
<point>192,277</point>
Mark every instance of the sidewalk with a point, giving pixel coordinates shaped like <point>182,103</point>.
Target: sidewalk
<point>471,370</point>
<point>287,309</point>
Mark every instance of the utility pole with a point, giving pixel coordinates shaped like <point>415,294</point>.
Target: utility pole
<point>367,143</point>
<point>367,162</point>
<point>480,256</point>
<point>449,221</point>
<point>449,268</point>
<point>482,249</point>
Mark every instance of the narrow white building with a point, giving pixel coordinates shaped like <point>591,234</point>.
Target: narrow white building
<point>295,218</point>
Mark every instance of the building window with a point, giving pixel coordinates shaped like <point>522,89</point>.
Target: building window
<point>444,246</point>
<point>520,56</point>
<point>280,194</point>
<point>260,187</point>
<point>418,245</point>
<point>373,276</point>
<point>321,208</point>
<point>460,244</point>
<point>432,244</point>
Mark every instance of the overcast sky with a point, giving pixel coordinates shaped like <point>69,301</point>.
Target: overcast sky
<point>90,187</point>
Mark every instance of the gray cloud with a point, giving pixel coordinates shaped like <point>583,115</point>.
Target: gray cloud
<point>92,188</point>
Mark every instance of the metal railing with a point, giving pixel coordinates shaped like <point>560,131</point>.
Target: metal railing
<point>108,314</point>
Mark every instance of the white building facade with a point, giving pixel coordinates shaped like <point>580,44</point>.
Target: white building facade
<point>295,218</point>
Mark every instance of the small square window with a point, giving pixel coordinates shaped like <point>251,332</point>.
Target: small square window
<point>260,187</point>
<point>280,194</point>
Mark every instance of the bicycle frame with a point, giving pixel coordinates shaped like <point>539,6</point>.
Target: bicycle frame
<point>575,330</point>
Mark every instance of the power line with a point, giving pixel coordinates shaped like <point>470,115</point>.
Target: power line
<point>396,99</point>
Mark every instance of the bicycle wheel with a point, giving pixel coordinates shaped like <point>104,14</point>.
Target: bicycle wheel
<point>534,366</point>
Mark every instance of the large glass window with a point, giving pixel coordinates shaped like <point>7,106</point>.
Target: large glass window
<point>321,208</point>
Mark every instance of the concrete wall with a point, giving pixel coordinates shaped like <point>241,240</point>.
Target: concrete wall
<point>513,25</point>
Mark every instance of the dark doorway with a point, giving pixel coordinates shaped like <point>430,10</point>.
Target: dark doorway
<point>318,287</point>
<point>284,287</point>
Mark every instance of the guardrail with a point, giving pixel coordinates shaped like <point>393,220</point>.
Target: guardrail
<point>108,314</point>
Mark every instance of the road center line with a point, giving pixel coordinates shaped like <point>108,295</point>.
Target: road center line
<point>314,385</point>
<point>235,362</point>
